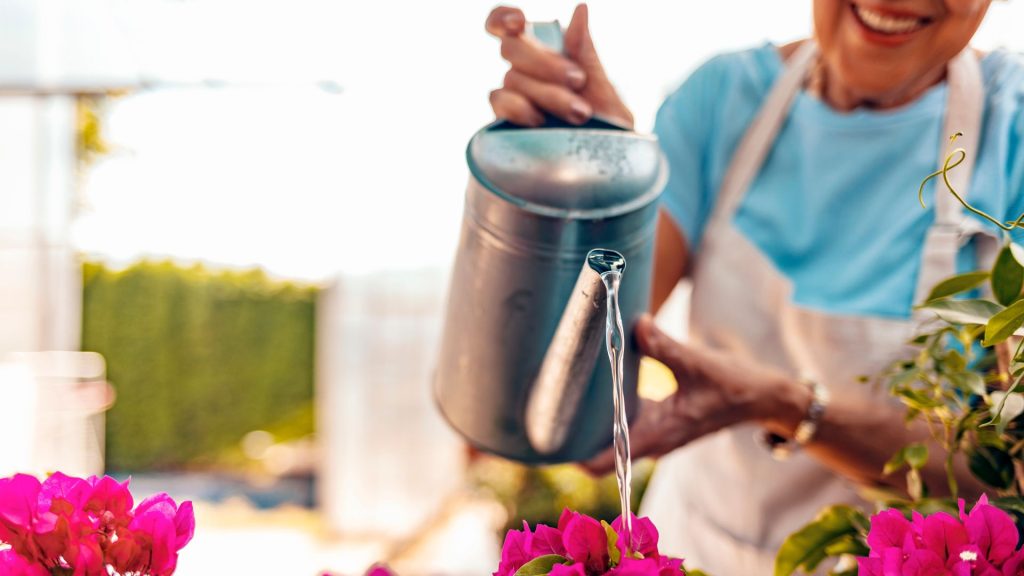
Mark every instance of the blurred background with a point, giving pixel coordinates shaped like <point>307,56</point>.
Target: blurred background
<point>225,234</point>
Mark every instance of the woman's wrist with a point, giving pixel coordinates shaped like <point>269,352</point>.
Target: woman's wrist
<point>786,406</point>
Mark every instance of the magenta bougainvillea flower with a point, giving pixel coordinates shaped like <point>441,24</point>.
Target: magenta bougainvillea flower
<point>88,527</point>
<point>582,546</point>
<point>982,543</point>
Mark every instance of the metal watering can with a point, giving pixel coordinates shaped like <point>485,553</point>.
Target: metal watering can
<point>522,371</point>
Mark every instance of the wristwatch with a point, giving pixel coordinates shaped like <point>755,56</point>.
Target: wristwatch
<point>781,447</point>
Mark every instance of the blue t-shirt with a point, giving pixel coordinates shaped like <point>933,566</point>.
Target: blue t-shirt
<point>835,205</point>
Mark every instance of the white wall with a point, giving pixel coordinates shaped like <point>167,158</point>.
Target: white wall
<point>49,50</point>
<point>389,461</point>
<point>40,285</point>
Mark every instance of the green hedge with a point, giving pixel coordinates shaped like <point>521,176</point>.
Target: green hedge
<point>198,359</point>
<point>539,494</point>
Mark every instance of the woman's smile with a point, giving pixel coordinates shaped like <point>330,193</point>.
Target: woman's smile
<point>887,26</point>
<point>885,53</point>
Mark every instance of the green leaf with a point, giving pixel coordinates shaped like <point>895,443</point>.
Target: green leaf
<point>903,377</point>
<point>849,544</point>
<point>969,382</point>
<point>1008,406</point>
<point>963,311</point>
<point>1013,504</point>
<point>806,548</point>
<point>614,554</point>
<point>1002,325</point>
<point>955,361</point>
<point>917,400</point>
<point>896,462</point>
<point>957,284</point>
<point>992,466</point>
<point>1018,252</point>
<point>915,485</point>
<point>916,455</point>
<point>541,565</point>
<point>1007,277</point>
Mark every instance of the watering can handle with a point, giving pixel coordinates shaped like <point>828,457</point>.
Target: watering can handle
<point>564,376</point>
<point>551,35</point>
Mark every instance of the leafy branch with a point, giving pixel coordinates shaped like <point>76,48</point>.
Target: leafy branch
<point>954,159</point>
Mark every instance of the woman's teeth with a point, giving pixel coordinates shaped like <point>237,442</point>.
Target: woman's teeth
<point>888,24</point>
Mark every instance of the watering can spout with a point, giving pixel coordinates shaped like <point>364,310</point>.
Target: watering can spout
<point>571,357</point>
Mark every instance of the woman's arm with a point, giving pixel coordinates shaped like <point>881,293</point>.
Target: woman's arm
<point>855,437</point>
<point>671,258</point>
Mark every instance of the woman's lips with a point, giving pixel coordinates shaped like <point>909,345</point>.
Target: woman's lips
<point>887,27</point>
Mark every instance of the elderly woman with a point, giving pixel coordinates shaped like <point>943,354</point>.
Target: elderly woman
<point>791,207</point>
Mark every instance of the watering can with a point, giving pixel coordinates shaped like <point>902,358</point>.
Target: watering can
<point>522,372</point>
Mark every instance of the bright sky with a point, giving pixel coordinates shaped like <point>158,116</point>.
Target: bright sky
<point>272,170</point>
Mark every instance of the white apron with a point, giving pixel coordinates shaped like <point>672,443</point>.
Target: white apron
<point>722,502</point>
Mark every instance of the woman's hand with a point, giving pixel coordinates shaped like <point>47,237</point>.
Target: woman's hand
<point>573,87</point>
<point>715,391</point>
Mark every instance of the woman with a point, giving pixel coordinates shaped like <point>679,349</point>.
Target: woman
<point>791,207</point>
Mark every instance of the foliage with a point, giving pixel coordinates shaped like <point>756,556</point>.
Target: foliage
<point>89,141</point>
<point>198,359</point>
<point>837,530</point>
<point>539,494</point>
<point>964,382</point>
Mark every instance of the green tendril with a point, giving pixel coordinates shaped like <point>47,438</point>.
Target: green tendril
<point>954,159</point>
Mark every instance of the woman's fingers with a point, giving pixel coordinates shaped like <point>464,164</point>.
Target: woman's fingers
<point>660,346</point>
<point>652,433</point>
<point>556,99</point>
<point>529,57</point>
<point>572,86</point>
<point>506,22</point>
<point>516,108</point>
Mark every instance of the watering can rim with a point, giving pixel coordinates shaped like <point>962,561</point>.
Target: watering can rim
<point>601,128</point>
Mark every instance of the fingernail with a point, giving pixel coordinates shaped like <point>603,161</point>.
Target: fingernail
<point>579,111</point>
<point>576,77</point>
<point>512,20</point>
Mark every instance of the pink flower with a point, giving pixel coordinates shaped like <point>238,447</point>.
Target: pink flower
<point>992,530</point>
<point>86,527</point>
<point>379,570</point>
<point>982,543</point>
<point>888,529</point>
<point>13,564</point>
<point>662,566</point>
<point>108,502</point>
<point>586,541</point>
<point>584,545</point>
<point>644,536</point>
<point>162,529</point>
<point>567,570</point>
<point>546,540</point>
<point>21,520</point>
<point>515,551</point>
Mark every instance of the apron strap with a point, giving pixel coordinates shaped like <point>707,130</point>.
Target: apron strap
<point>952,228</point>
<point>758,140</point>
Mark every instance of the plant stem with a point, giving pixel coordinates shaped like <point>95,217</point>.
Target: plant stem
<point>954,488</point>
<point>960,154</point>
<point>1003,359</point>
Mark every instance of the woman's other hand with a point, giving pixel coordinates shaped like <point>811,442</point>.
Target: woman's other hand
<point>573,87</point>
<point>715,391</point>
